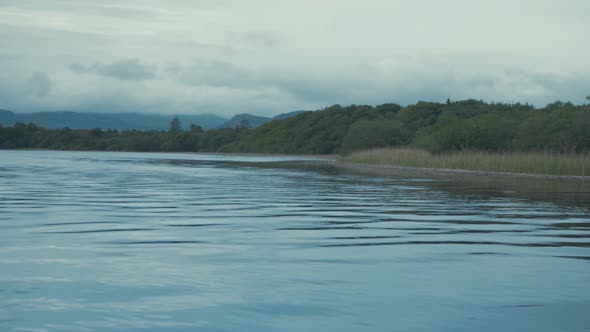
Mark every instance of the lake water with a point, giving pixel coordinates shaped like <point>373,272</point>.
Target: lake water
<point>179,242</point>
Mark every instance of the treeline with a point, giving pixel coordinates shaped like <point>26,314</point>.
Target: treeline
<point>30,136</point>
<point>437,127</point>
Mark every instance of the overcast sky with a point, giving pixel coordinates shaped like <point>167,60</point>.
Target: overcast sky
<point>270,56</point>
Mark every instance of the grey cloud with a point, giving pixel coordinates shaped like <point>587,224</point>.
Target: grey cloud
<point>226,74</point>
<point>173,69</point>
<point>213,73</point>
<point>405,84</point>
<point>106,8</point>
<point>78,68</point>
<point>128,70</point>
<point>231,56</point>
<point>315,90</point>
<point>271,94</point>
<point>125,70</point>
<point>39,84</point>
<point>122,12</point>
<point>505,86</point>
<point>263,39</point>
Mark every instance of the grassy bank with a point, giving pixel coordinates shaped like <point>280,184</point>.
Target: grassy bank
<point>508,162</point>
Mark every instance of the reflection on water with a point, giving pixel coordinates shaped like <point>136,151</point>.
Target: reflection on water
<point>171,242</point>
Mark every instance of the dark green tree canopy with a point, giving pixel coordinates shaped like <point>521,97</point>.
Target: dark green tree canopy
<point>175,125</point>
<point>437,127</point>
<point>196,128</point>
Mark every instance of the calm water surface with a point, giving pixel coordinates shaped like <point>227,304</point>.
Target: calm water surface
<point>172,242</point>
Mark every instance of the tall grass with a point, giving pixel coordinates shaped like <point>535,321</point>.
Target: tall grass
<point>505,162</point>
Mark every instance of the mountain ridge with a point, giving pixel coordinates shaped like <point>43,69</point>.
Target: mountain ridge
<point>130,121</point>
<point>253,121</point>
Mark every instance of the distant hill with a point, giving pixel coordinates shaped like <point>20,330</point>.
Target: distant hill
<point>128,121</point>
<point>7,117</point>
<point>284,116</point>
<point>119,121</point>
<point>253,121</point>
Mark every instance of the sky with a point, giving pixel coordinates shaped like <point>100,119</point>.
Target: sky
<point>267,57</point>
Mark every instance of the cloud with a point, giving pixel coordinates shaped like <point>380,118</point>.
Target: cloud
<point>131,70</point>
<point>39,84</point>
<point>213,73</point>
<point>263,39</point>
<point>125,70</point>
<point>269,57</point>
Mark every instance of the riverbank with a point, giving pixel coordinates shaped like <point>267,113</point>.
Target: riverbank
<point>407,161</point>
<point>540,165</point>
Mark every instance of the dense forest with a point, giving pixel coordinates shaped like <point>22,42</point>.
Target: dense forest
<point>436,127</point>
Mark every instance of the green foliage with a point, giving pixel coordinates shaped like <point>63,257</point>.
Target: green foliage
<point>488,131</point>
<point>375,133</point>
<point>196,129</point>
<point>435,127</point>
<point>244,124</point>
<point>319,132</point>
<point>562,130</point>
<point>175,125</point>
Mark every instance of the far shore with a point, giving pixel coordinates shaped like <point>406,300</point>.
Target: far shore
<point>378,169</point>
<point>253,154</point>
<point>318,156</point>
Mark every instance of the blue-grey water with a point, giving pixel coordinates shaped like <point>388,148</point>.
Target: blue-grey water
<point>177,242</point>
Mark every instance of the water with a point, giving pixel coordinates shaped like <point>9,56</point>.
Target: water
<point>172,242</point>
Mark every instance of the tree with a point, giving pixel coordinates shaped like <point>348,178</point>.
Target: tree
<point>96,132</point>
<point>195,128</point>
<point>365,135</point>
<point>175,125</point>
<point>244,124</point>
<point>588,98</point>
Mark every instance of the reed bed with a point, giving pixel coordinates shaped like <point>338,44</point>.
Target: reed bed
<point>501,162</point>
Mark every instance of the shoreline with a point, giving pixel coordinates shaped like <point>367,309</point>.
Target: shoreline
<point>382,168</point>
<point>254,154</point>
<point>336,161</point>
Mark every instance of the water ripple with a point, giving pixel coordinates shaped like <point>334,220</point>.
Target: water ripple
<point>131,241</point>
